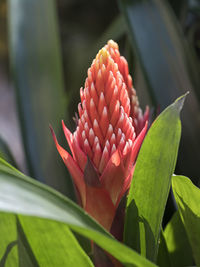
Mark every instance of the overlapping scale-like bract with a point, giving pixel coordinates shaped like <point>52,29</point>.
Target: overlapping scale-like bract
<point>110,130</point>
<point>104,125</point>
<point>135,111</point>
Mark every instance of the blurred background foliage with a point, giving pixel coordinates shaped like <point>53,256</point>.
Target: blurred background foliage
<point>49,45</point>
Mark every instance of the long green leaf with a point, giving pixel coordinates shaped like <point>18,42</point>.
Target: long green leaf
<point>37,71</point>
<point>151,182</point>
<point>20,194</point>
<point>187,196</point>
<point>167,67</point>
<point>50,243</point>
<point>180,252</point>
<point>8,245</point>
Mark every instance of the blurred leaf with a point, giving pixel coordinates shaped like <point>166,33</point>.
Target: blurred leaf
<point>180,252</point>
<point>187,196</point>
<point>179,7</point>
<point>49,243</point>
<point>22,195</point>
<point>169,69</point>
<point>194,6</point>
<point>114,31</point>
<point>37,71</point>
<point>151,182</point>
<point>163,259</point>
<point>5,153</point>
<point>8,246</point>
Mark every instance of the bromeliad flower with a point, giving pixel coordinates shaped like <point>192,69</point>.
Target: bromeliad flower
<point>109,133</point>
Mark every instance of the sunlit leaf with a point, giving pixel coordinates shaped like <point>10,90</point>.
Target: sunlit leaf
<point>8,243</point>
<point>48,243</point>
<point>151,181</point>
<point>180,252</point>
<point>187,196</point>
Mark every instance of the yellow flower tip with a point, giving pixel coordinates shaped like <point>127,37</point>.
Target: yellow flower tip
<point>102,56</point>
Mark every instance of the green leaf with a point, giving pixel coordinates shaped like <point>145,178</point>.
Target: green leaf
<point>151,182</point>
<point>169,68</point>
<point>163,259</point>
<point>22,195</point>
<point>8,245</point>
<point>38,76</point>
<point>187,197</point>
<point>84,243</point>
<point>26,256</point>
<point>50,243</point>
<point>180,252</point>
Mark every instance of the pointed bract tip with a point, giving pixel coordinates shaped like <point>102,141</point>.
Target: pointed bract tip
<point>113,44</point>
<point>53,134</point>
<point>179,102</point>
<point>116,158</point>
<point>103,53</point>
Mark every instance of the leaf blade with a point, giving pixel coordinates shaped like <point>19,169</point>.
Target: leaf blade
<point>38,76</point>
<point>167,67</point>
<point>189,210</point>
<point>152,177</point>
<point>163,259</point>
<point>19,194</point>
<point>8,246</point>
<point>180,253</point>
<point>52,243</point>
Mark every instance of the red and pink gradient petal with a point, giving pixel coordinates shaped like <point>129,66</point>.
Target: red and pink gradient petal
<point>73,168</point>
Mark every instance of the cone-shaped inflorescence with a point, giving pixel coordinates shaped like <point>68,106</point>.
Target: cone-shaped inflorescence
<point>110,131</point>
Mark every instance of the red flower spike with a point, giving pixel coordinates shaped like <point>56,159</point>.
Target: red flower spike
<point>111,128</point>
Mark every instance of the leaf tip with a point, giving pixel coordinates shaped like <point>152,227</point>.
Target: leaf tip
<point>180,101</point>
